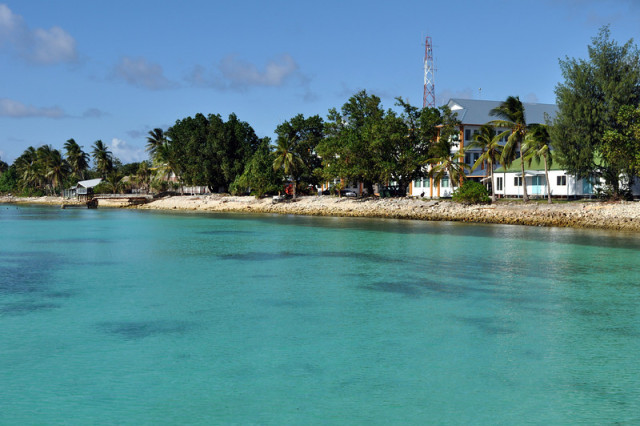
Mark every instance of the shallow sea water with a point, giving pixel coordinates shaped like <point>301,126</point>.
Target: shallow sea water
<point>138,317</point>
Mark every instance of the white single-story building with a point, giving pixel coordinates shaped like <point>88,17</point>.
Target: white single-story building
<point>509,182</point>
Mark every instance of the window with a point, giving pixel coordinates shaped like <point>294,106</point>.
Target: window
<point>444,182</point>
<point>517,181</point>
<point>476,155</point>
<point>499,184</point>
<point>416,183</point>
<point>467,134</point>
<point>562,180</point>
<point>426,183</point>
<point>467,158</point>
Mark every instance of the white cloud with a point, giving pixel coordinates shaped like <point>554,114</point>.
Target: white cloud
<point>54,45</point>
<point>141,73</point>
<point>15,109</point>
<point>38,46</point>
<point>241,73</point>
<point>94,113</point>
<point>125,152</point>
<point>9,22</point>
<point>237,74</point>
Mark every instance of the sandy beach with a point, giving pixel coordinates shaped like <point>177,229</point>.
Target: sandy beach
<point>578,214</point>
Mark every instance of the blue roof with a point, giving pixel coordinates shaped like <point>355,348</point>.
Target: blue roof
<point>473,111</point>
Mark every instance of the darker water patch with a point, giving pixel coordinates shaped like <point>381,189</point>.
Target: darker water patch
<point>73,241</point>
<point>226,232</point>
<point>26,307</point>
<point>623,331</point>
<point>287,303</point>
<point>137,330</point>
<point>260,256</point>
<point>269,256</point>
<point>63,294</point>
<point>361,257</point>
<point>489,326</point>
<point>422,287</point>
<point>408,289</point>
<point>27,272</point>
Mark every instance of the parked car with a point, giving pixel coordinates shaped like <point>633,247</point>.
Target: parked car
<point>348,193</point>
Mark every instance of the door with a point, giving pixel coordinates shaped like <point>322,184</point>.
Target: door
<point>587,186</point>
<point>536,185</point>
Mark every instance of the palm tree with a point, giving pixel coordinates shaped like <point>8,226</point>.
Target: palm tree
<point>512,116</point>
<point>143,174</point>
<point>56,169</point>
<point>451,165</point>
<point>115,181</point>
<point>29,169</point>
<point>167,162</point>
<point>489,142</point>
<point>537,145</point>
<point>78,159</point>
<point>155,140</point>
<point>288,159</point>
<point>3,167</point>
<point>102,157</point>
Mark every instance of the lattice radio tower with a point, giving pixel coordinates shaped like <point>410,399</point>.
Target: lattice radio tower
<point>429,98</point>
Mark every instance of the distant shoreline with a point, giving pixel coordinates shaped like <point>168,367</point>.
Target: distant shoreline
<point>622,216</point>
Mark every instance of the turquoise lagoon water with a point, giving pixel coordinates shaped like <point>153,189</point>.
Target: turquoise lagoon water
<point>131,317</point>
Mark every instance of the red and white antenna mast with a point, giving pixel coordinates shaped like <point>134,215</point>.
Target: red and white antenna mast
<point>429,98</point>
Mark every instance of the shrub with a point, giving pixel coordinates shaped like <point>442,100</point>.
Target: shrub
<point>471,193</point>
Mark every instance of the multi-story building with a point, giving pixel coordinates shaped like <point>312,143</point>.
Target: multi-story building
<point>472,114</point>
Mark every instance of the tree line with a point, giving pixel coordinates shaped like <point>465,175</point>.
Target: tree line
<point>596,133</point>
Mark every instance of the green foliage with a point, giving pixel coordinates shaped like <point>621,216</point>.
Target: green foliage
<point>351,147</point>
<point>9,180</point>
<point>471,193</point>
<point>155,139</point>
<point>303,135</point>
<point>408,142</point>
<point>102,158</point>
<point>296,149</point>
<point>511,115</point>
<point>537,145</point>
<point>489,141</point>
<point>102,188</point>
<point>366,143</point>
<point>588,133</point>
<point>114,182</point>
<point>207,150</point>
<point>259,176</point>
<point>129,169</point>
<point>78,159</point>
<point>622,144</point>
<point>41,170</point>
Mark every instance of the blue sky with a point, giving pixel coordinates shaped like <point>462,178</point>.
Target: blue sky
<point>115,70</point>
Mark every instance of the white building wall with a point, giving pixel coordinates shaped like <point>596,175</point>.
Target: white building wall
<point>562,185</point>
<point>423,188</point>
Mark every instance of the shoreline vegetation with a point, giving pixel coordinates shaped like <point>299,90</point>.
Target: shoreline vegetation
<point>618,216</point>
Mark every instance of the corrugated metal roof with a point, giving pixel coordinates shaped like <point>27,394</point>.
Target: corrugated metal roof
<point>89,183</point>
<point>474,111</point>
<point>534,166</point>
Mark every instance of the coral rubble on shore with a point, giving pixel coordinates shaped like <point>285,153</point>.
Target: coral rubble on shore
<point>586,214</point>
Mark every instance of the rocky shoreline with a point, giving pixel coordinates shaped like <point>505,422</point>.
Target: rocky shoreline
<point>623,216</point>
